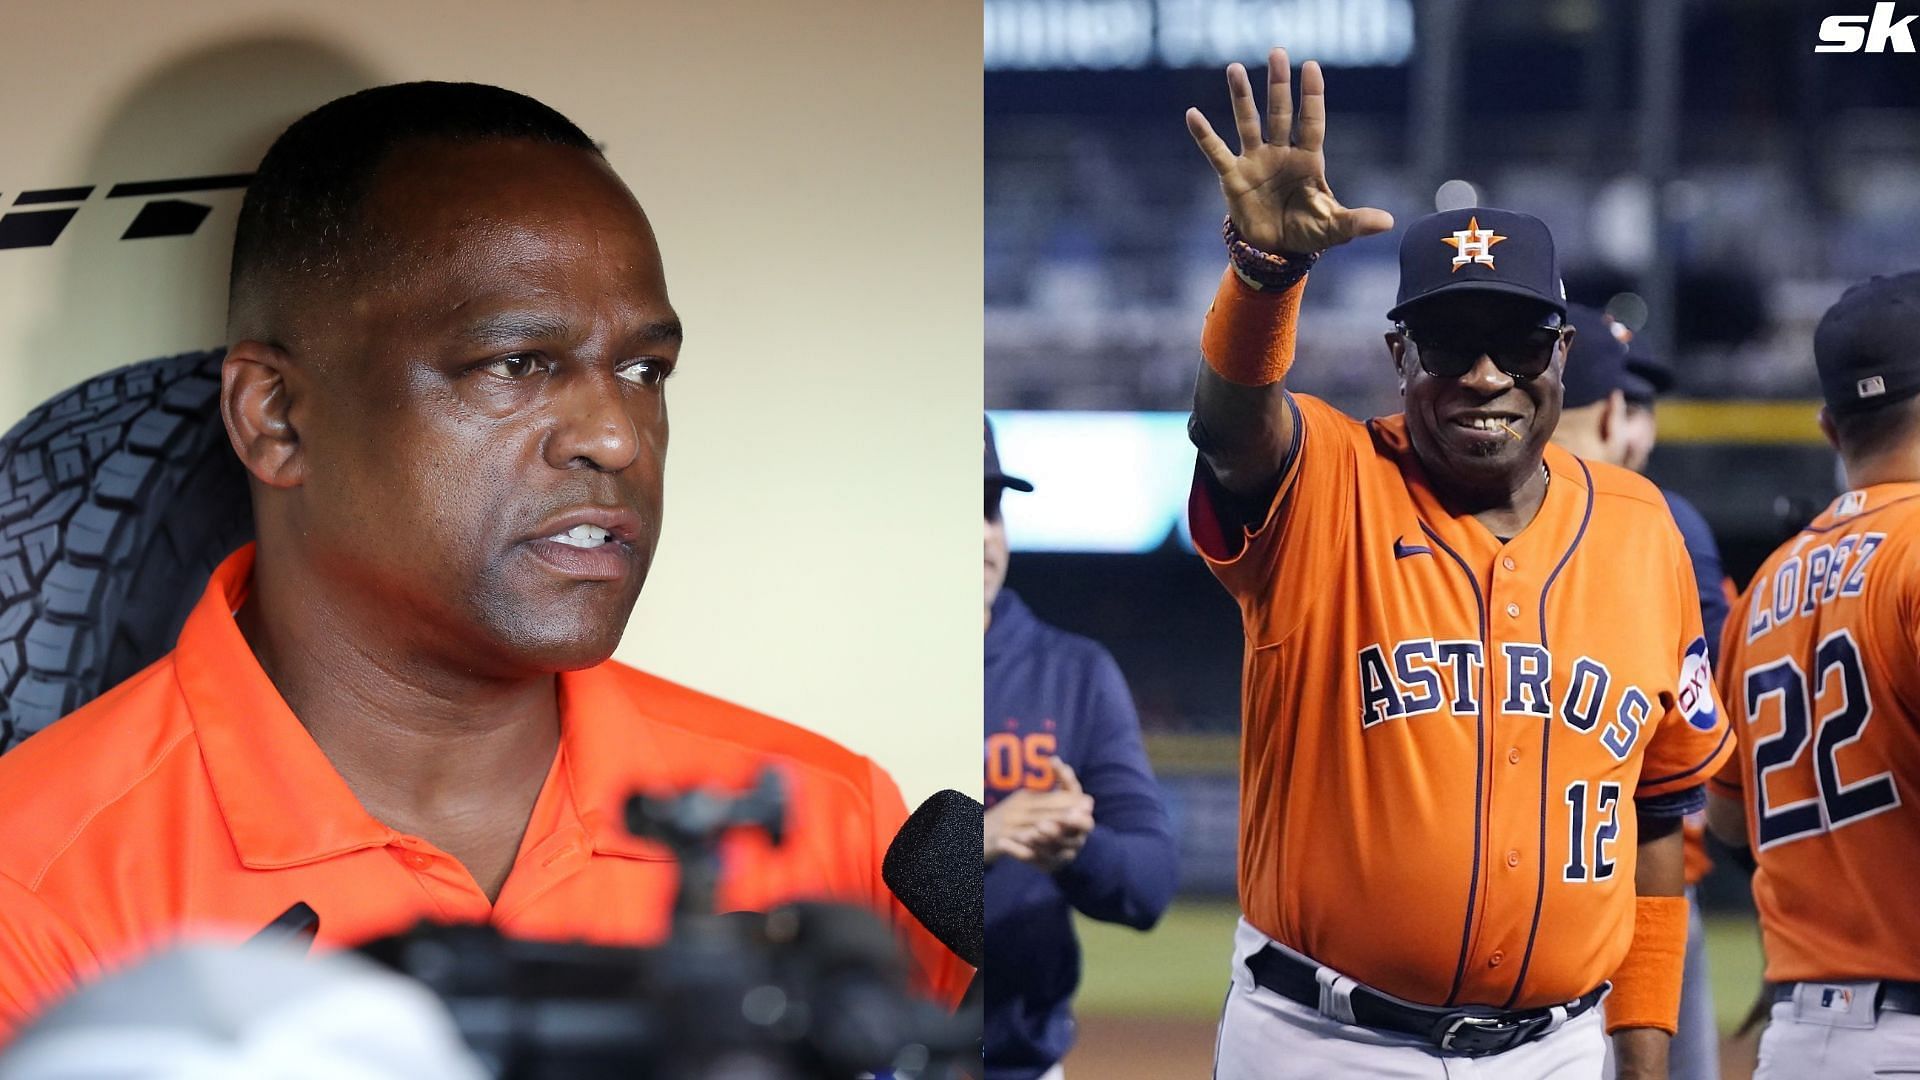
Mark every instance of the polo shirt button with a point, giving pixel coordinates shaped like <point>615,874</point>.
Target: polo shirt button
<point>1508,562</point>
<point>1496,959</point>
<point>1513,858</point>
<point>1513,756</point>
<point>1513,611</point>
<point>418,861</point>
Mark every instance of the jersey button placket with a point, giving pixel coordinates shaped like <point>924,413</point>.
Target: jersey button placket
<point>410,854</point>
<point>448,885</point>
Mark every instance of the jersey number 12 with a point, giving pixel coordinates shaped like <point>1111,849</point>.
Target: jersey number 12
<point>1597,864</point>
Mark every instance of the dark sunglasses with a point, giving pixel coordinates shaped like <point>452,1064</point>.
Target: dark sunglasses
<point>1522,354</point>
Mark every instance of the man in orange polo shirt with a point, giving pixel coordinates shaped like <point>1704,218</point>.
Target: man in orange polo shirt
<point>451,337</point>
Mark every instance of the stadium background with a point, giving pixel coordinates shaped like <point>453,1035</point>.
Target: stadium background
<point>1709,178</point>
<point>817,561</point>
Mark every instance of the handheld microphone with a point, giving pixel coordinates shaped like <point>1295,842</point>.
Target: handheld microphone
<point>296,926</point>
<point>934,867</point>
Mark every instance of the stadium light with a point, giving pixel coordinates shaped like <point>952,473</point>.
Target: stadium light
<point>1104,482</point>
<point>1127,34</point>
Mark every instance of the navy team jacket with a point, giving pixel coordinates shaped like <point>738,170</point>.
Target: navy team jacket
<point>1707,572</point>
<point>1054,693</point>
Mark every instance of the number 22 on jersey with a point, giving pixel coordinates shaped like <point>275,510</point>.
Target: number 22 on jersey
<point>1837,685</point>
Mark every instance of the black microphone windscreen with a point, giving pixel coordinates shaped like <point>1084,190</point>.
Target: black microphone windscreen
<point>934,866</point>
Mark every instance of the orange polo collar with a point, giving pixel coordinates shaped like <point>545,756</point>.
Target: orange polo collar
<point>286,805</point>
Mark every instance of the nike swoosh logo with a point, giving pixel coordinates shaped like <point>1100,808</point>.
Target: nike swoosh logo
<point>1402,549</point>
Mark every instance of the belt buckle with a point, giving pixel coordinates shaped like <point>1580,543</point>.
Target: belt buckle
<point>1476,1036</point>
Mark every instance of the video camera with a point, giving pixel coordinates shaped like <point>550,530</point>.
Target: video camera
<point>808,991</point>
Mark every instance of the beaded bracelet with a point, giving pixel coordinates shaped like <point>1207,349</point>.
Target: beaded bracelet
<point>1263,270</point>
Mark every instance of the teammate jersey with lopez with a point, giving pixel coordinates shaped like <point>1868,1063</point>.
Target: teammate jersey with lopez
<point>1819,675</point>
<point>1481,712</point>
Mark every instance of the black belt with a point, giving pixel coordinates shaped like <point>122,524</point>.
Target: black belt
<point>1903,997</point>
<point>1472,1031</point>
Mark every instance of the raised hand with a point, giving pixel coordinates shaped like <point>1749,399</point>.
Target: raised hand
<point>1276,186</point>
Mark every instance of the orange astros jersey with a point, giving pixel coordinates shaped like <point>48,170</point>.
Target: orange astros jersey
<point>1820,670</point>
<point>1444,736</point>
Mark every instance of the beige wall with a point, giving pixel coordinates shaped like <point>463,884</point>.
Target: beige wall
<point>813,172</point>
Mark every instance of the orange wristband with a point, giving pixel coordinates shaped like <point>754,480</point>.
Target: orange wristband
<point>1646,989</point>
<point>1248,337</point>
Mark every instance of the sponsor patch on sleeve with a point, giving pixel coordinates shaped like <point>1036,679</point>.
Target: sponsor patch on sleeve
<point>1696,687</point>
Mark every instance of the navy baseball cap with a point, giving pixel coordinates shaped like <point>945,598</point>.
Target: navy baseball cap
<point>1637,389</point>
<point>1867,346</point>
<point>1647,375</point>
<point>1478,249</point>
<point>994,475</point>
<point>1597,363</point>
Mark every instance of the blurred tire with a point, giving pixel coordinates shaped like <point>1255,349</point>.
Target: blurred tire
<point>117,500</point>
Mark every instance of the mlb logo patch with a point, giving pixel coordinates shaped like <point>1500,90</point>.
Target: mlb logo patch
<point>1839,1005</point>
<point>1851,503</point>
<point>1871,386</point>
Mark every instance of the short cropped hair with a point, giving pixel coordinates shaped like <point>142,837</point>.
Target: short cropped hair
<point>301,216</point>
<point>1877,431</point>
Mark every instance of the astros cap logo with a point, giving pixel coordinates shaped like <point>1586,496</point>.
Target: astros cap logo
<point>1473,244</point>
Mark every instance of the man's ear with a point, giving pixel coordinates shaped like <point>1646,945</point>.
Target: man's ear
<point>1615,442</point>
<point>1397,348</point>
<point>257,403</point>
<point>1613,416</point>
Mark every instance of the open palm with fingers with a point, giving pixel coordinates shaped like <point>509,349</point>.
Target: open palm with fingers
<point>1276,186</point>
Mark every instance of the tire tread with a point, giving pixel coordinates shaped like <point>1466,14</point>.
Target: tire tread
<point>118,497</point>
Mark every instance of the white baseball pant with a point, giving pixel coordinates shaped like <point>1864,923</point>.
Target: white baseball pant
<point>1829,1030</point>
<point>1264,1036</point>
